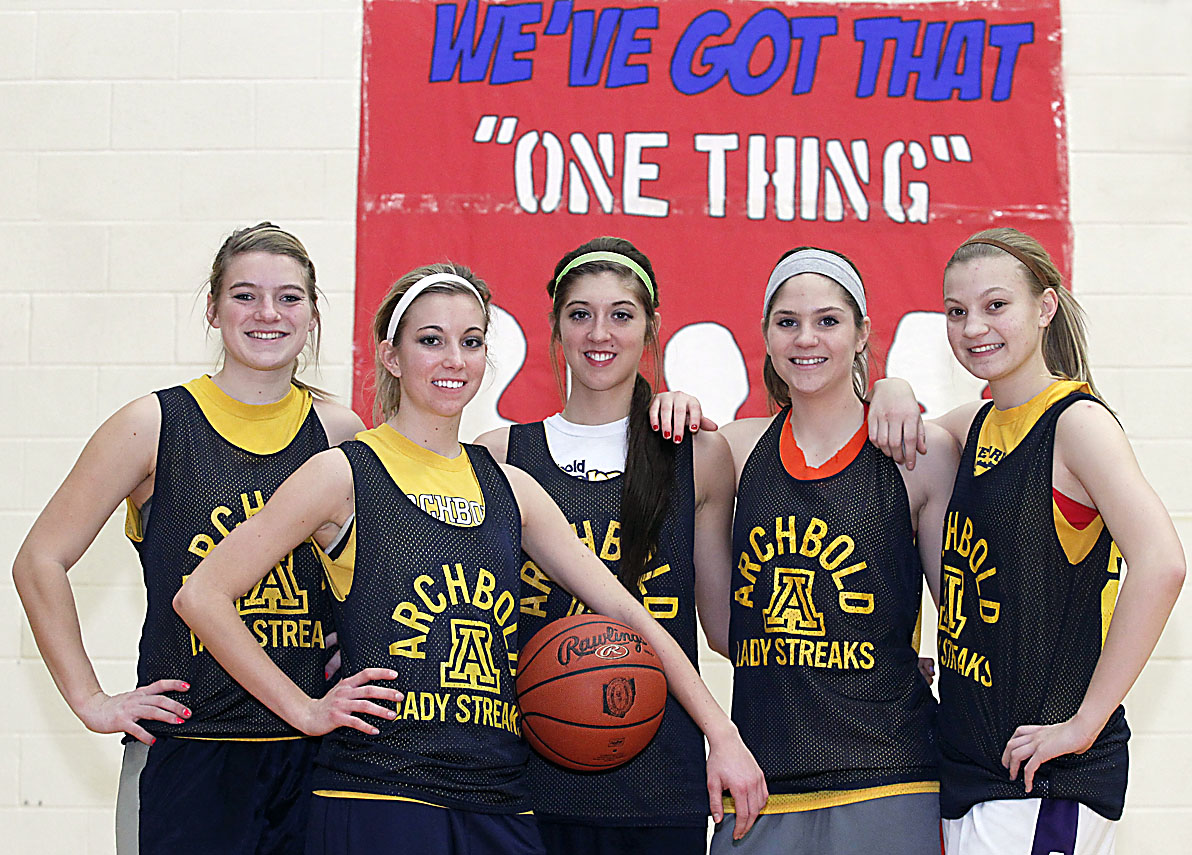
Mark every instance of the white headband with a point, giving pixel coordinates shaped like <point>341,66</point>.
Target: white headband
<point>816,261</point>
<point>420,286</point>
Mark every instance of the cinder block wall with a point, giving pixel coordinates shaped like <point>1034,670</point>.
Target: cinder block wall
<point>136,134</point>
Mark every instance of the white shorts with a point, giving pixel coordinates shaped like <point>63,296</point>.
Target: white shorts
<point>1029,827</point>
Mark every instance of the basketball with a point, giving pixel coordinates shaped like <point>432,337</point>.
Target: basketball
<point>592,692</point>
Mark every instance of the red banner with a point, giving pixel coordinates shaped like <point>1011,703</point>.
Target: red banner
<point>715,136</point>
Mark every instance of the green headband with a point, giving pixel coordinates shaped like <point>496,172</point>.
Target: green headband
<point>614,257</point>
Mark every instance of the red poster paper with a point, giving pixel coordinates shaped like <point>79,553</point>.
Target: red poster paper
<point>715,136</point>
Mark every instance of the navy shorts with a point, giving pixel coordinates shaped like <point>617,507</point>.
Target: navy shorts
<point>565,838</point>
<point>347,826</point>
<point>215,797</point>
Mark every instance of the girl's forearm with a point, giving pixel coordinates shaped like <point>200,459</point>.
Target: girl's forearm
<point>50,606</point>
<point>1144,603</point>
<point>213,616</point>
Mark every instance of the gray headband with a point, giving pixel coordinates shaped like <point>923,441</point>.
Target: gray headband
<point>816,261</point>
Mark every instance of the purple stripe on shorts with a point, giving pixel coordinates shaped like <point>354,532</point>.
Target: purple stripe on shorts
<point>1055,830</point>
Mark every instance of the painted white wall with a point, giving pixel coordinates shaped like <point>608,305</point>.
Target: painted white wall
<point>136,134</point>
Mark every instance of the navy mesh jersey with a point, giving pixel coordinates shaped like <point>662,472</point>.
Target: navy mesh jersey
<point>438,604</point>
<point>204,486</point>
<point>1020,631</point>
<point>665,784</point>
<point>826,589</point>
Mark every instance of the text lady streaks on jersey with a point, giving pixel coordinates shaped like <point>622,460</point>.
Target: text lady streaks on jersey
<point>278,593</point>
<point>659,607</point>
<point>791,610</point>
<point>964,565</point>
<point>478,614</point>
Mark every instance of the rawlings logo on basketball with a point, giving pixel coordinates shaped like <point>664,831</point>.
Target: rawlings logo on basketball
<point>612,651</point>
<point>602,645</point>
<point>619,694</point>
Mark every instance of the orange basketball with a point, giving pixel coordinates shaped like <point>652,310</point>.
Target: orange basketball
<point>592,692</point>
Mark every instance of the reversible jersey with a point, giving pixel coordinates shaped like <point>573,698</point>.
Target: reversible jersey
<point>826,592</point>
<point>204,487</point>
<point>438,604</point>
<point>665,784</point>
<point>1020,631</point>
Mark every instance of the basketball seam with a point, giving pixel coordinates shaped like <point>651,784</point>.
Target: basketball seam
<point>620,666</point>
<point>570,723</point>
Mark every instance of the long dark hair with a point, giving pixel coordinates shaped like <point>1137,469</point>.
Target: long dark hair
<point>650,459</point>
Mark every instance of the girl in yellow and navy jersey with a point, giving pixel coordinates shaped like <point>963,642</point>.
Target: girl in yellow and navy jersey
<point>192,462</point>
<point>657,513</point>
<point>831,542</point>
<point>1040,636</point>
<point>424,751</point>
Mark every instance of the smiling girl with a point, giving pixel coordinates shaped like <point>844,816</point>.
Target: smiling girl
<point>191,462</point>
<point>424,752</point>
<point>659,515</point>
<point>831,543</point>
<point>1035,655</point>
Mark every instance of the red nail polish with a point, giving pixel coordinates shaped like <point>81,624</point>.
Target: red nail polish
<point>177,720</point>
<point>185,686</point>
<point>666,434</point>
<point>152,739</point>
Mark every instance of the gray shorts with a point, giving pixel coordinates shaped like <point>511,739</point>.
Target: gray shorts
<point>891,825</point>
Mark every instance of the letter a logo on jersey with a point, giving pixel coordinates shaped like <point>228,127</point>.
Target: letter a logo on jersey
<point>470,665</point>
<point>791,608</point>
<point>277,593</point>
<point>951,619</point>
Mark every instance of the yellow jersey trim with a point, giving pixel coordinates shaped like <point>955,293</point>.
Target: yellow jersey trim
<point>1077,542</point>
<point>798,802</point>
<point>444,487</point>
<point>343,794</point>
<point>342,569</point>
<point>134,527</point>
<point>259,428</point>
<point>1001,433</point>
<point>1003,430</point>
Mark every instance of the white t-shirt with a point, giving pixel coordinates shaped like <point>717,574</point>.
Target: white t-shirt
<point>590,452</point>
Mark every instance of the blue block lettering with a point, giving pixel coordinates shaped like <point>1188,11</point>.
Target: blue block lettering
<point>923,64</point>
<point>1008,37</point>
<point>811,31</point>
<point>965,47</point>
<point>454,49</point>
<point>589,49</point>
<point>683,74</point>
<point>620,71</point>
<point>507,66</point>
<point>766,24</point>
<point>560,15</point>
<point>873,33</point>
